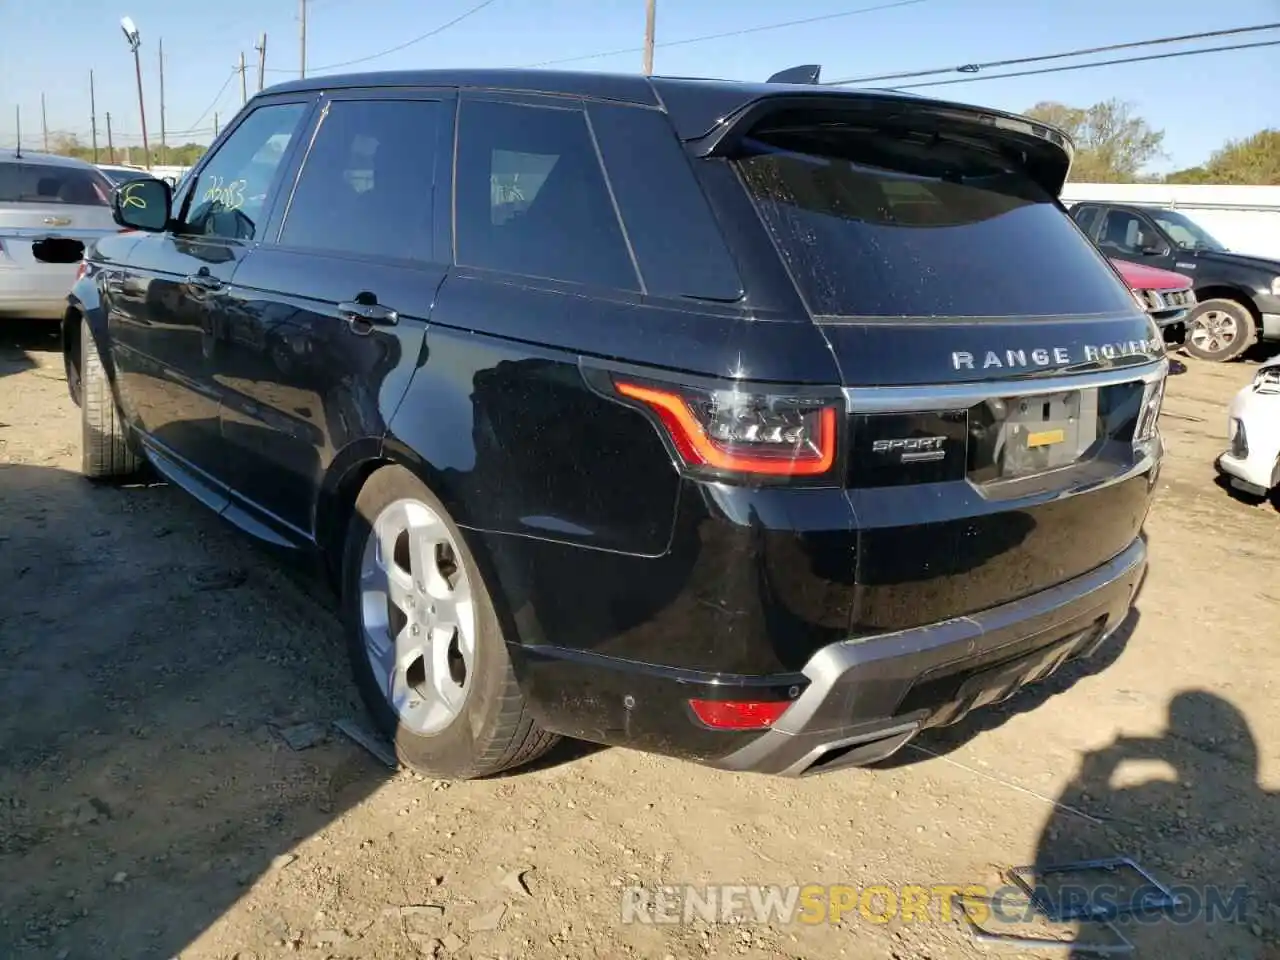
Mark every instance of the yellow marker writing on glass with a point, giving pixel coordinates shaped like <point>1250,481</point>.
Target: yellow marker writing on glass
<point>129,197</point>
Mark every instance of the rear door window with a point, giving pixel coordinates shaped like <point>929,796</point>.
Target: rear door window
<point>532,199</point>
<point>881,226</point>
<point>47,183</point>
<point>367,183</point>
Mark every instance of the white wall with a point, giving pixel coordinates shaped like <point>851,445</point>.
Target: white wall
<point>1246,219</point>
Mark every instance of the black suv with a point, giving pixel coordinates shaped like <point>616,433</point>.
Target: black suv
<point>1238,296</point>
<point>757,424</point>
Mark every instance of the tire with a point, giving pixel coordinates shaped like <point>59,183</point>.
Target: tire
<point>104,446</point>
<point>487,727</point>
<point>1220,330</point>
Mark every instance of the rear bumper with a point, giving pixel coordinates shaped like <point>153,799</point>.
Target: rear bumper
<point>868,698</point>
<point>39,292</point>
<point>854,701</point>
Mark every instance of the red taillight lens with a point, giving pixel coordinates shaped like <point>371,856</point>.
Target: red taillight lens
<point>80,270</point>
<point>739,714</point>
<point>740,432</point>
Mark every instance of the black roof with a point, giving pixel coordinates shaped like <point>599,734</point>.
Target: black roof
<point>695,103</point>
<point>696,107</point>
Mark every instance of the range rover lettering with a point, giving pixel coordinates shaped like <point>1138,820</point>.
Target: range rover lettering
<point>761,425</point>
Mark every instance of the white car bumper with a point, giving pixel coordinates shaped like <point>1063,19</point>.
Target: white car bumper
<point>1253,428</point>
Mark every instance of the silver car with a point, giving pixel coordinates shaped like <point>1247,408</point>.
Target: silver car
<point>44,196</point>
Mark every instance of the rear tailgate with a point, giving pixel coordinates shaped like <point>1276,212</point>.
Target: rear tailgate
<point>999,374</point>
<point>22,224</point>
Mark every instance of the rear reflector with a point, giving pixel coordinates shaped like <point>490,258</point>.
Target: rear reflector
<point>739,714</point>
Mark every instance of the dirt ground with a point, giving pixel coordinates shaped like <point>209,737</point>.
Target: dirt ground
<point>152,661</point>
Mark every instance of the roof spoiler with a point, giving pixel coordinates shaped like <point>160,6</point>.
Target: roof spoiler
<point>1044,151</point>
<point>806,73</point>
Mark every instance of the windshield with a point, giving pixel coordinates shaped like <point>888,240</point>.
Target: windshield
<point>875,224</point>
<point>1186,233</point>
<point>47,183</point>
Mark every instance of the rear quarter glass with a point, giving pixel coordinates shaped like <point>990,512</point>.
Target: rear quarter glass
<point>883,227</point>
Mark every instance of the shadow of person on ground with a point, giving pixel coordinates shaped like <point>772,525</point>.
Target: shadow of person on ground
<point>1188,808</point>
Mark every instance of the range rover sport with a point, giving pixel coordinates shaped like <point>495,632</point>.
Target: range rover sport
<point>762,425</point>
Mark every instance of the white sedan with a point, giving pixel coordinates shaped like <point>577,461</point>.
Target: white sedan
<point>1253,426</point>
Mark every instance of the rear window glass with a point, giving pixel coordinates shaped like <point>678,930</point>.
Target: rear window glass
<point>896,226</point>
<point>45,183</point>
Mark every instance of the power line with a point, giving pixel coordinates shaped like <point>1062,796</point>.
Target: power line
<point>1096,63</point>
<point>408,43</point>
<point>731,33</point>
<point>209,109</point>
<point>975,67</point>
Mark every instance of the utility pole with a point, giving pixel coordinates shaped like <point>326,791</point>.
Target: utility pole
<point>164,146</point>
<point>93,118</point>
<point>215,124</point>
<point>142,108</point>
<point>262,60</point>
<point>17,120</point>
<point>650,16</point>
<point>111,147</point>
<point>244,91</point>
<point>44,123</point>
<point>302,36</point>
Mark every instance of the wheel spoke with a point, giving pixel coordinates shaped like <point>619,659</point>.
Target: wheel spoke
<point>409,648</point>
<point>440,677</point>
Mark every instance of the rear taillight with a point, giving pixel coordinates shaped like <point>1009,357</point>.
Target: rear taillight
<point>739,714</point>
<point>82,269</point>
<point>1152,398</point>
<point>734,431</point>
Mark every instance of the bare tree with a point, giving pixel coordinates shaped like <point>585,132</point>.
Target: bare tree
<point>1113,144</point>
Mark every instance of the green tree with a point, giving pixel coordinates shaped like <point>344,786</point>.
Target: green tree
<point>1254,160</point>
<point>1113,144</point>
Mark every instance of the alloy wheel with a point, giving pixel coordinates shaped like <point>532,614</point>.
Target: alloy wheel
<point>417,616</point>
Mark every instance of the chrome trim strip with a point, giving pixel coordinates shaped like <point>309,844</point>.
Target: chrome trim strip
<point>961,396</point>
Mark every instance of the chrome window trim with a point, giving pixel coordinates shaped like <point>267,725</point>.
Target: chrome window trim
<point>961,396</point>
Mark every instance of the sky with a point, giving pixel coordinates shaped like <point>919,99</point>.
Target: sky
<point>49,46</point>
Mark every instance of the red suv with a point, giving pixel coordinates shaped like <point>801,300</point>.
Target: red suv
<point>1165,295</point>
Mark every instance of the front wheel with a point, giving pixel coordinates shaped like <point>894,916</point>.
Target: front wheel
<point>1220,330</point>
<point>425,644</point>
<point>105,452</point>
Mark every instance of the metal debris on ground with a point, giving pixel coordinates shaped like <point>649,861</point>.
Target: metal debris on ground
<point>370,741</point>
<point>303,736</point>
<point>1038,907</point>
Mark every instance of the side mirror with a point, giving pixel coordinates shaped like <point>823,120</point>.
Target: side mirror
<point>143,204</point>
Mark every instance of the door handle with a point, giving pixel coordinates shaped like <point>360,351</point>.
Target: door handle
<point>204,281</point>
<point>362,316</point>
